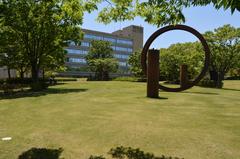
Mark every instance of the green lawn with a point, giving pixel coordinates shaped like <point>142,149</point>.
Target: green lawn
<point>87,118</point>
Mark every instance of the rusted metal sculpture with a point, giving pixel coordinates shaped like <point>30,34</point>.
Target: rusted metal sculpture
<point>153,73</point>
<point>184,84</point>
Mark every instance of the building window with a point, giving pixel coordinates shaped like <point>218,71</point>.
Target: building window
<point>94,37</point>
<point>123,64</point>
<point>120,56</point>
<point>76,60</point>
<point>112,40</point>
<point>122,41</point>
<point>74,51</point>
<point>123,49</point>
<point>113,47</point>
<point>86,44</point>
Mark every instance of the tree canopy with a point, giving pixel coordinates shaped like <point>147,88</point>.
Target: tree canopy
<point>224,44</point>
<point>190,54</point>
<point>39,30</point>
<point>157,12</point>
<point>100,59</point>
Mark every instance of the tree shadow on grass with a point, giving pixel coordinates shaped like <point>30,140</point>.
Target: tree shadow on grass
<point>230,89</point>
<point>121,152</point>
<point>205,93</point>
<point>29,93</point>
<point>41,153</point>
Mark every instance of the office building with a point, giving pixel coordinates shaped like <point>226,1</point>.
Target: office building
<point>124,43</point>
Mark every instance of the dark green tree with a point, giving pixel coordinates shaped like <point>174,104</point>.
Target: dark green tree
<point>42,29</point>
<point>134,62</point>
<point>224,44</point>
<point>190,54</point>
<point>100,59</point>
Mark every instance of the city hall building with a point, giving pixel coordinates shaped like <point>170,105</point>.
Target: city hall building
<point>124,43</point>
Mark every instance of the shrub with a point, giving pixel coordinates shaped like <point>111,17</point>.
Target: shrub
<point>131,153</point>
<point>41,153</point>
<point>233,78</point>
<point>65,79</point>
<point>209,83</point>
<point>130,79</point>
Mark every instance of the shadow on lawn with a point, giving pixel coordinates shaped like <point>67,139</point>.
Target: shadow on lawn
<point>41,153</point>
<point>230,89</point>
<point>119,152</point>
<point>206,93</point>
<point>28,93</point>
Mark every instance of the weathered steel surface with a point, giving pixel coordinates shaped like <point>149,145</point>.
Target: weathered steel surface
<point>153,73</point>
<point>184,28</point>
<point>183,76</point>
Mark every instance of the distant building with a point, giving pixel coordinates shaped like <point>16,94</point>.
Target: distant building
<point>124,43</point>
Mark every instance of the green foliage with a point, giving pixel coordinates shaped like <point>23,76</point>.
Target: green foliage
<point>39,30</point>
<point>157,12</point>
<point>100,59</point>
<point>131,153</point>
<point>135,64</point>
<point>224,44</point>
<point>41,153</point>
<point>209,83</point>
<point>129,79</point>
<point>177,54</point>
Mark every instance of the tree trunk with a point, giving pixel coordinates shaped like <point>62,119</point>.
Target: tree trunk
<point>220,79</point>
<point>21,73</point>
<point>43,73</point>
<point>34,71</point>
<point>9,73</point>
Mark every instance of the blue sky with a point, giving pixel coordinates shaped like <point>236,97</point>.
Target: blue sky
<point>201,18</point>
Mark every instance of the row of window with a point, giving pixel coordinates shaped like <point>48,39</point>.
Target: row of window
<point>74,51</point>
<point>124,49</point>
<point>120,56</point>
<point>76,60</point>
<point>83,61</point>
<point>110,39</point>
<point>84,52</point>
<point>123,64</point>
<point>115,48</point>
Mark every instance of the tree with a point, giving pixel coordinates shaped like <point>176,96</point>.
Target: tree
<point>156,12</point>
<point>224,44</point>
<point>100,59</point>
<point>134,62</point>
<point>42,29</point>
<point>190,54</point>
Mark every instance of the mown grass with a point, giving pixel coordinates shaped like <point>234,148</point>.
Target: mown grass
<point>87,118</point>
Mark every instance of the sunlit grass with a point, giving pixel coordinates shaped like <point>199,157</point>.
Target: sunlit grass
<point>87,118</point>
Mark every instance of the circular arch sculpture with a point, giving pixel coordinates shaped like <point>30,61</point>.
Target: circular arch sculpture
<point>184,28</point>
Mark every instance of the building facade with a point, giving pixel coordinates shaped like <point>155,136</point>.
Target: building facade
<point>124,43</point>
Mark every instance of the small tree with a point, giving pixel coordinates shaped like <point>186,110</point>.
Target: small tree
<point>224,43</point>
<point>172,57</point>
<point>135,64</point>
<point>100,59</point>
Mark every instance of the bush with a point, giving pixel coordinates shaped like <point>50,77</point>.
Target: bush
<point>233,78</point>
<point>41,153</point>
<point>130,79</point>
<point>209,83</point>
<point>65,79</point>
<point>131,153</point>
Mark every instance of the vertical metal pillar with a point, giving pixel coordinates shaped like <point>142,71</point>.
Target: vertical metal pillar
<point>153,73</point>
<point>183,76</point>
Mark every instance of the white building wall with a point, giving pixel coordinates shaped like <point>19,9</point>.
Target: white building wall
<point>4,73</point>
